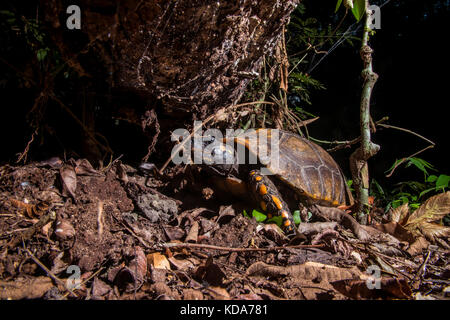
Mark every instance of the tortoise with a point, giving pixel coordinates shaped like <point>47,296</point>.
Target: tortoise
<point>302,166</point>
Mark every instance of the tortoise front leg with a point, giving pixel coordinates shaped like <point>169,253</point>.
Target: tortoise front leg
<point>269,199</point>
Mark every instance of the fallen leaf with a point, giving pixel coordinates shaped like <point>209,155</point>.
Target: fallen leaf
<point>193,233</point>
<point>174,233</point>
<point>219,293</point>
<point>210,273</point>
<point>64,230</point>
<point>397,230</point>
<point>272,232</point>
<point>84,167</point>
<point>54,163</point>
<point>431,231</point>
<point>131,277</point>
<point>181,264</point>
<point>226,213</point>
<point>431,210</point>
<point>25,288</point>
<point>418,246</point>
<point>99,289</point>
<point>68,180</point>
<point>158,261</point>
<point>400,214</point>
<point>386,288</point>
<point>192,294</point>
<point>421,221</point>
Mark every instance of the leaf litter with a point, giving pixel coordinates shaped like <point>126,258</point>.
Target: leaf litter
<point>125,237</point>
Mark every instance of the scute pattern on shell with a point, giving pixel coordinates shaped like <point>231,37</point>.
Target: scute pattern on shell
<point>303,165</point>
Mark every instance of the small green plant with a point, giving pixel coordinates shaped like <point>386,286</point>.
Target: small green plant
<point>261,217</point>
<point>411,192</point>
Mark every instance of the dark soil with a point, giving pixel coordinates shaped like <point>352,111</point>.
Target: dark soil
<point>123,236</point>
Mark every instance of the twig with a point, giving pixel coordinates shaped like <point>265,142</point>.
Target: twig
<point>49,273</point>
<point>359,158</point>
<point>405,159</point>
<point>423,266</point>
<point>24,154</point>
<point>29,232</point>
<point>212,247</point>
<point>84,281</point>
<point>406,130</point>
<point>80,123</point>
<point>142,241</point>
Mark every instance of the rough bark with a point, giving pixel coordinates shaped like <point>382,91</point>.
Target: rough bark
<point>195,56</point>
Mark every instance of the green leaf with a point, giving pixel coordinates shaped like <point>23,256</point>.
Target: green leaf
<point>278,220</point>
<point>442,181</point>
<point>432,178</point>
<point>338,5</point>
<point>41,54</point>
<point>296,216</point>
<point>420,164</point>
<point>259,216</point>
<point>7,13</point>
<point>378,187</point>
<point>245,214</point>
<point>359,8</point>
<point>426,191</point>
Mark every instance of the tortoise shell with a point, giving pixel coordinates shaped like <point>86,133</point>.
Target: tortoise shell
<point>303,165</point>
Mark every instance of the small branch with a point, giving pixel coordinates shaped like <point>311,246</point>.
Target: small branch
<point>405,159</point>
<point>406,130</point>
<point>49,273</point>
<point>24,154</point>
<point>212,247</point>
<point>86,280</point>
<point>29,232</point>
<point>367,149</point>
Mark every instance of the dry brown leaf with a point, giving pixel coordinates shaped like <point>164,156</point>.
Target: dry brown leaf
<point>30,210</point>
<point>389,288</point>
<point>68,179</point>
<point>434,209</point>
<point>226,213</point>
<point>431,231</point>
<point>219,293</point>
<point>431,210</point>
<point>132,277</point>
<point>400,214</point>
<point>308,271</point>
<point>209,272</point>
<point>84,167</point>
<point>418,246</point>
<point>192,294</point>
<point>24,288</point>
<point>193,233</point>
<point>396,230</point>
<point>158,261</point>
<point>54,163</point>
<point>181,264</point>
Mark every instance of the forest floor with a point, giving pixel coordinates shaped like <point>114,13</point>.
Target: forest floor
<point>68,231</point>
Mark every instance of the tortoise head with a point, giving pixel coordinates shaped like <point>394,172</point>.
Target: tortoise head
<point>215,155</point>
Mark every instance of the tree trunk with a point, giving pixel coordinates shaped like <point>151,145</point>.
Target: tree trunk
<point>194,56</point>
